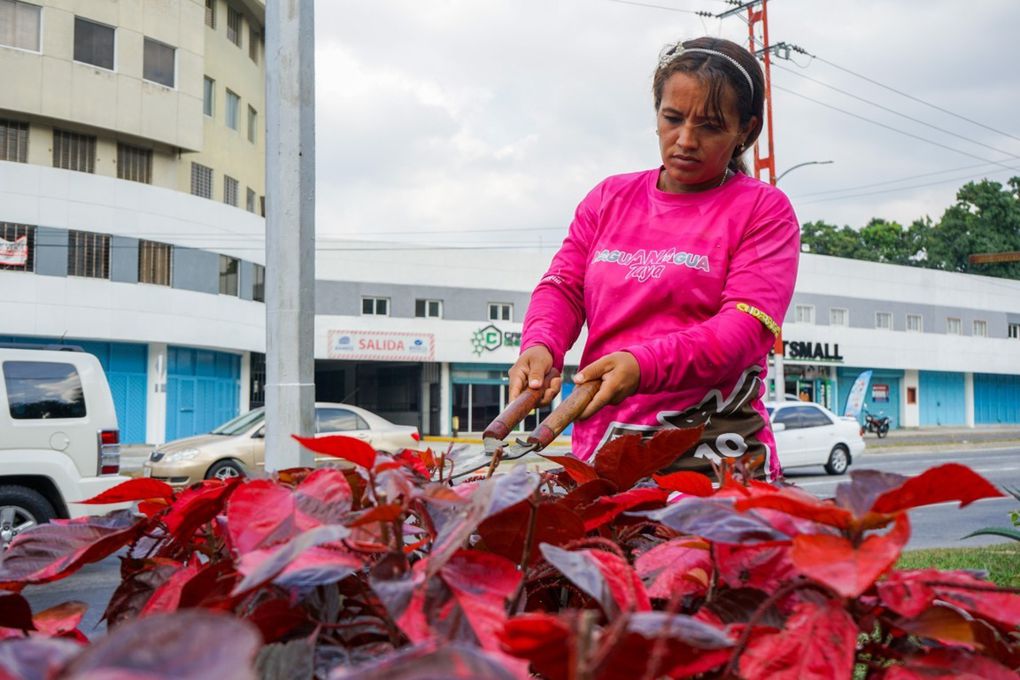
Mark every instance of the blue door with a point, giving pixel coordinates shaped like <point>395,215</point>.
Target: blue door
<point>941,398</point>
<point>202,390</point>
<point>882,396</point>
<point>996,399</point>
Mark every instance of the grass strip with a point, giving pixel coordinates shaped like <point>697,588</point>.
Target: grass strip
<point>1002,562</point>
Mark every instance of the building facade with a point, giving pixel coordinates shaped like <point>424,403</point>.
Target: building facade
<point>131,202</point>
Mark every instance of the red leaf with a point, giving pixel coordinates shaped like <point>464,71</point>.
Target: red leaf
<point>323,494</point>
<point>949,482</point>
<point>340,446</point>
<point>197,506</point>
<point>950,664</point>
<point>691,483</point>
<point>678,567</point>
<point>627,459</point>
<point>259,514</point>
<point>715,520</point>
<point>191,644</point>
<point>137,489</point>
<point>262,566</point>
<point>449,661</point>
<point>603,576</point>
<point>505,533</point>
<point>587,493</point>
<point>482,583</point>
<point>15,612</point>
<point>167,597</point>
<point>380,513</point>
<point>910,593</point>
<point>763,566</point>
<point>415,460</point>
<point>819,641</point>
<point>578,470</point>
<point>679,646</point>
<point>317,566</point>
<point>835,562</point>
<point>544,640</point>
<point>276,618</point>
<point>608,508</point>
<point>800,503</point>
<point>62,620</point>
<point>52,551</point>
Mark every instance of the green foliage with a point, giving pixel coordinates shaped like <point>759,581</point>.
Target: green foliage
<point>984,219</point>
<point>1001,562</point>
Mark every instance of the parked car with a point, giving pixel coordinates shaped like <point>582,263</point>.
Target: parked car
<point>810,434</point>
<point>237,446</point>
<point>59,441</point>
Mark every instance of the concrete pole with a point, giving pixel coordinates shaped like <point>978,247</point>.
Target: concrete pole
<point>290,231</point>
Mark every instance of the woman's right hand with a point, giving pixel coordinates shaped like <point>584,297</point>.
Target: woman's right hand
<point>533,369</point>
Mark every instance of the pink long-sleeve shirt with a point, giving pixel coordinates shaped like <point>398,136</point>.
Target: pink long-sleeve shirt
<point>694,286</point>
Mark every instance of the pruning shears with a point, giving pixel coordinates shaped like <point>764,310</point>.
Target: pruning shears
<point>495,449</point>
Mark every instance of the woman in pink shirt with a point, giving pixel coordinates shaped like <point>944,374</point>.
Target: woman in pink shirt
<point>682,274</point>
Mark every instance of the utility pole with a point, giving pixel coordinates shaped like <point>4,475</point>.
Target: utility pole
<point>764,160</point>
<point>290,231</point>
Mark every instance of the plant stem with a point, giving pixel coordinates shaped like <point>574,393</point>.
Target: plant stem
<point>522,566</point>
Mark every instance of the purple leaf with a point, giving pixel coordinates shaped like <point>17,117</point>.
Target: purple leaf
<point>715,520</point>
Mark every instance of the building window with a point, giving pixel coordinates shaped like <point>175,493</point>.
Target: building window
<point>249,203</point>
<point>914,323</point>
<point>258,289</point>
<point>233,26</point>
<point>201,180</point>
<point>253,43</point>
<point>839,317</point>
<point>1013,331</point>
<point>17,247</point>
<point>980,328</point>
<point>209,97</point>
<point>954,326</point>
<point>154,260</point>
<point>72,151</point>
<point>375,306</point>
<point>88,254</point>
<point>210,13</point>
<point>134,163</point>
<point>883,320</point>
<point>428,309</point>
<point>13,141</point>
<point>19,25</point>
<point>228,275</point>
<point>230,191</point>
<point>253,124</point>
<point>804,313</point>
<point>233,107</point>
<point>159,62</point>
<point>93,43</point>
<point>501,311</point>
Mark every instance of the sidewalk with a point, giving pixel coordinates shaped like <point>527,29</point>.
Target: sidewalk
<point>982,436</point>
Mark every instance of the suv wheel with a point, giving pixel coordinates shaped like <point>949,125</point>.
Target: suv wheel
<point>21,509</point>
<point>839,460</point>
<point>224,470</point>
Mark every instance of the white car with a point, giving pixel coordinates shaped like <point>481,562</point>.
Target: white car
<point>236,447</point>
<point>809,434</point>
<point>59,441</point>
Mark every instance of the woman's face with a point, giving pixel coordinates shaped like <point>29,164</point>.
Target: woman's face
<point>695,148</point>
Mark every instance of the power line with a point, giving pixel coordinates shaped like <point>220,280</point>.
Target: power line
<point>829,199</point>
<point>897,113</point>
<point>646,4</point>
<point>911,97</point>
<point>893,181</point>
<point>890,127</point>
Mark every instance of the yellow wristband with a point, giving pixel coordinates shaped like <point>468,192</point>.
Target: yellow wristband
<point>765,319</point>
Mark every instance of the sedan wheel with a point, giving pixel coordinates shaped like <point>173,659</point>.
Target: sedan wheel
<point>225,470</point>
<point>839,460</point>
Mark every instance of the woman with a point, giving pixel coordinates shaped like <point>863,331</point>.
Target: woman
<point>681,273</point>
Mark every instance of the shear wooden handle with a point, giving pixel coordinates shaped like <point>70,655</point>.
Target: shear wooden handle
<point>513,414</point>
<point>564,414</point>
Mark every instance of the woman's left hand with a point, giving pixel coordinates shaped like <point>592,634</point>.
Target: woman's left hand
<point>620,374</point>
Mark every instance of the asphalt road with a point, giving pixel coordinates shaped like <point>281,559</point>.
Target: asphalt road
<point>935,526</point>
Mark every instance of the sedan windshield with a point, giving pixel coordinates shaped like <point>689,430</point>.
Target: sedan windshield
<point>241,423</point>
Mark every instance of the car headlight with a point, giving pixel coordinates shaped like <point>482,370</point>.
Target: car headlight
<point>183,454</point>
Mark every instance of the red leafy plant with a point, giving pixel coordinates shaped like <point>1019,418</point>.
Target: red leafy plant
<point>381,568</point>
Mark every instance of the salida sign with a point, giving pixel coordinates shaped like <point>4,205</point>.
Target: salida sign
<point>381,346</point>
<point>490,338</point>
<point>820,351</point>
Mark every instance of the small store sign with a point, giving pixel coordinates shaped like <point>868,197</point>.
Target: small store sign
<point>490,338</point>
<point>880,393</point>
<point>14,253</point>
<point>381,346</point>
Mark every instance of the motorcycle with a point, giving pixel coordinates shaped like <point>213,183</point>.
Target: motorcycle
<point>878,424</point>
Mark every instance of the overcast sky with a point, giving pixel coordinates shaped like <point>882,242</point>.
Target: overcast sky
<point>490,119</point>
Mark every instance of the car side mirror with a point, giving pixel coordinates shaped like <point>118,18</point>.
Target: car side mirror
<point>778,427</point>
<point>259,433</point>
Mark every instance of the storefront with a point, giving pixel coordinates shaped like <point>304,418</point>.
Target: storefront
<point>479,393</point>
<point>810,371</point>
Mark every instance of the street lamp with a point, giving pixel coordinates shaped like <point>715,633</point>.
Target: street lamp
<point>800,165</point>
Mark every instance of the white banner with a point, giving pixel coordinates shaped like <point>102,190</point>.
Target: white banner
<point>14,252</point>
<point>381,346</point>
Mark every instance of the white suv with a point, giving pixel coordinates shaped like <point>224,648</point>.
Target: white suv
<point>59,441</point>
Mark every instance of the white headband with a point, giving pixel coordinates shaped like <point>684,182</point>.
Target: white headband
<point>671,52</point>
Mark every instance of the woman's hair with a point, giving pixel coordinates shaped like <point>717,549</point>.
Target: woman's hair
<point>717,72</point>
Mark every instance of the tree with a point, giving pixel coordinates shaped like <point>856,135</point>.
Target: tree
<point>984,219</point>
